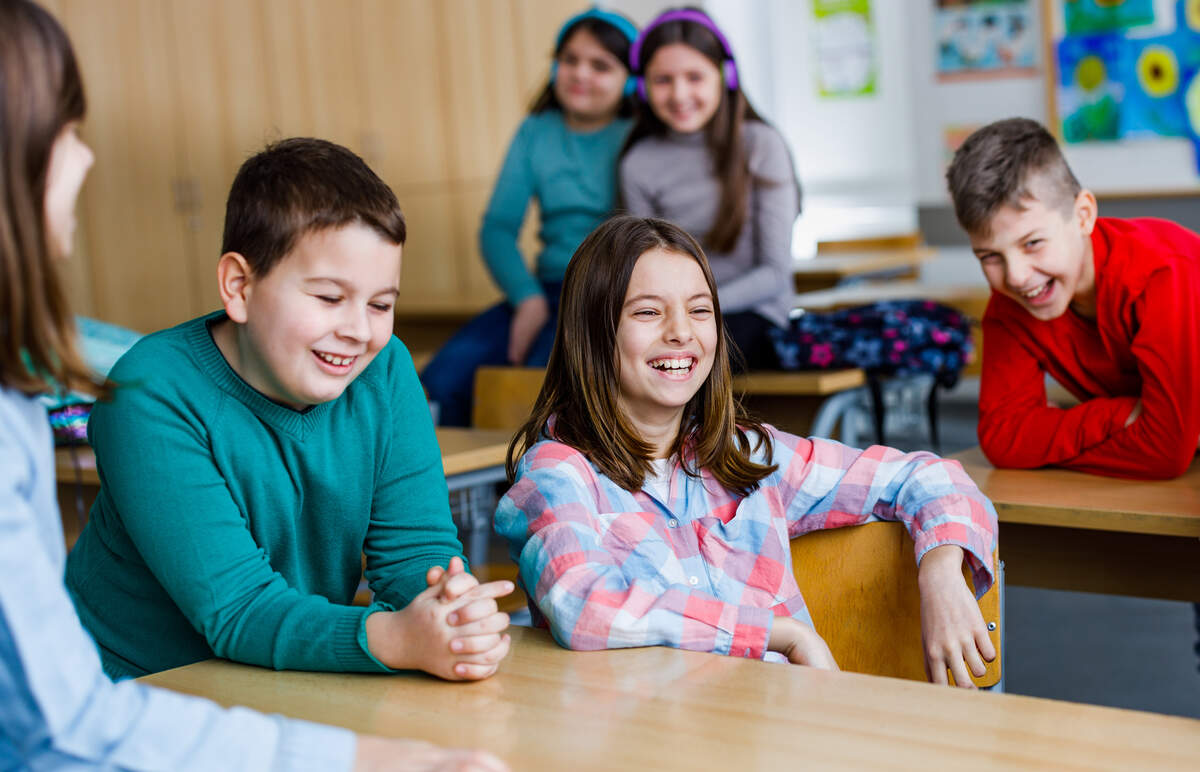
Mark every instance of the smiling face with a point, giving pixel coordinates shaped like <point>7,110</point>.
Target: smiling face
<point>590,81</point>
<point>684,87</point>
<point>70,160</point>
<point>307,328</point>
<point>666,338</point>
<point>1041,255</point>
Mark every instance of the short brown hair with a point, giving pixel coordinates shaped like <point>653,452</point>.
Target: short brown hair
<point>582,382</point>
<point>999,164</point>
<point>299,185</point>
<point>40,94</point>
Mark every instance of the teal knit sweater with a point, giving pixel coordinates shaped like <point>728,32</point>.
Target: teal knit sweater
<point>233,526</point>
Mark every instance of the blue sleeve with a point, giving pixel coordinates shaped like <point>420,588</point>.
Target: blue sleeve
<point>58,709</point>
<point>504,215</point>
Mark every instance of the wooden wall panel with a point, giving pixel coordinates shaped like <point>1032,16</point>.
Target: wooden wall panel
<point>139,276</point>
<point>427,274</point>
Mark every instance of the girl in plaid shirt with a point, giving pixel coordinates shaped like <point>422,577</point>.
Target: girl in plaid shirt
<point>646,509</point>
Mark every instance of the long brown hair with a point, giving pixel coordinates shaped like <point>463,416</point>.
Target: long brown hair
<point>723,134</point>
<point>582,382</point>
<point>40,93</point>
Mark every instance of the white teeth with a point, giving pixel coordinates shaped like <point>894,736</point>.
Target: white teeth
<point>1035,291</point>
<point>335,361</point>
<point>673,364</point>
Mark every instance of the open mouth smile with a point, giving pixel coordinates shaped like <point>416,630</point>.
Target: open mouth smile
<point>674,367</point>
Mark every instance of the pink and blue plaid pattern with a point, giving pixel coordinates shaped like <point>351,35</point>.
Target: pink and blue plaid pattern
<point>708,570</point>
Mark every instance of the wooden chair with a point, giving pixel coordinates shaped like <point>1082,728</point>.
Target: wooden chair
<point>860,584</point>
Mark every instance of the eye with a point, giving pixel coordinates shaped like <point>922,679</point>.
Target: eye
<point>646,313</point>
<point>599,65</point>
<point>696,77</point>
<point>570,60</point>
<point>329,299</point>
<point>384,307</point>
<point>1034,243</point>
<point>701,310</point>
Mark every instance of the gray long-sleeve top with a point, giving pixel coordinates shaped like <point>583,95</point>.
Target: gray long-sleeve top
<point>671,177</point>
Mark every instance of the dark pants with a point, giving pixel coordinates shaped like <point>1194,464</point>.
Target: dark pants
<point>750,334</point>
<point>449,378</point>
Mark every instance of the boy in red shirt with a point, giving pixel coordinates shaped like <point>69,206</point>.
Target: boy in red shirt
<point>1110,308</point>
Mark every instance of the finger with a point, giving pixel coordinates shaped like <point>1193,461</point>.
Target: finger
<point>490,656</point>
<point>475,644</point>
<point>481,761</point>
<point>974,661</point>
<point>469,672</point>
<point>457,585</point>
<point>496,623</point>
<point>983,642</point>
<point>456,566</point>
<point>434,575</point>
<point>473,612</point>
<point>962,678</point>
<point>935,668</point>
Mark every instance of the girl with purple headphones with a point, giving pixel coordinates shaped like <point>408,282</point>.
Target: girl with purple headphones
<point>564,155</point>
<point>702,158</point>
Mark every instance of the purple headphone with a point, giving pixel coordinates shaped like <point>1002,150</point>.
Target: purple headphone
<point>728,66</point>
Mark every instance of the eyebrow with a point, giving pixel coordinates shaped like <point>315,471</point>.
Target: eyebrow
<point>345,285</point>
<point>659,298</point>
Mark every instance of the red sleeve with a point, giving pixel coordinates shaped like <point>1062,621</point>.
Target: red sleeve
<point>1017,429</point>
<point>1162,441</point>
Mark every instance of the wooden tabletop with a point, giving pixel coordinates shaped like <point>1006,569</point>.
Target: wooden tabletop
<point>463,450</point>
<point>840,265</point>
<point>970,299</point>
<point>802,382</point>
<point>468,450</point>
<point>665,709</point>
<point>1058,497</point>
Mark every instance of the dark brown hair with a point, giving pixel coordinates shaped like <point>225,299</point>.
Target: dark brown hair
<point>613,40</point>
<point>300,185</point>
<point>723,134</point>
<point>40,94</point>
<point>582,381</point>
<point>1000,164</point>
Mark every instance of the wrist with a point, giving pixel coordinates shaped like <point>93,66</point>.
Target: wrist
<point>940,562</point>
<point>384,639</point>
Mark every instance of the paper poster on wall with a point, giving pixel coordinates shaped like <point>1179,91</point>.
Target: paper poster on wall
<point>844,44</point>
<point>984,38</point>
<point>1128,70</point>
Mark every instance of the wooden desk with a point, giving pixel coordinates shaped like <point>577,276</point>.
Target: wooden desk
<point>826,270</point>
<point>1073,531</point>
<point>969,299</point>
<point>665,709</point>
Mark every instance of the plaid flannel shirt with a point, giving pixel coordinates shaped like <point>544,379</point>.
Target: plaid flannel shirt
<point>709,569</point>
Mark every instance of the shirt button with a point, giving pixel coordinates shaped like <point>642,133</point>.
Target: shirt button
<point>694,580</point>
<point>673,523</point>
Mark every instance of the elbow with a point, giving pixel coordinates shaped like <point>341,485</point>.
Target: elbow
<point>1004,455</point>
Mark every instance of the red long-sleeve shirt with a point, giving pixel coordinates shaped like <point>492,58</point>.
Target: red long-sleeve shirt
<point>1144,343</point>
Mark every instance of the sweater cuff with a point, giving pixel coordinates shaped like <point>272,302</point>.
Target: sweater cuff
<point>350,643</point>
<point>307,746</point>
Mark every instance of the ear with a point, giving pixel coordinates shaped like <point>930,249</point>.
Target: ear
<point>1086,211</point>
<point>234,280</point>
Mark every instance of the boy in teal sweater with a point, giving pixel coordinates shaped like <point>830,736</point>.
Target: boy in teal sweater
<point>254,455</point>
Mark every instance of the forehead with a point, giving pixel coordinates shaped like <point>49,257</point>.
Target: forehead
<point>668,274</point>
<point>679,56</point>
<point>583,43</point>
<point>1014,221</point>
<point>354,254</point>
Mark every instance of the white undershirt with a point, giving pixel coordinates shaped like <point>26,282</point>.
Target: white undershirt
<point>658,481</point>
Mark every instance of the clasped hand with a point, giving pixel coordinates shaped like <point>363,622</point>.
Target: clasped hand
<point>453,629</point>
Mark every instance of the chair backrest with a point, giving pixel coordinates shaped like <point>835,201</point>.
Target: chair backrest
<point>860,584</point>
<point>504,396</point>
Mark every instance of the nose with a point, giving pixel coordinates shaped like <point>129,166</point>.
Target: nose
<point>354,324</point>
<point>1018,270</point>
<point>678,329</point>
<point>678,88</point>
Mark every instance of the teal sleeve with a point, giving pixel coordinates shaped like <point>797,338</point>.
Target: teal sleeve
<point>411,528</point>
<point>502,220</point>
<point>179,513</point>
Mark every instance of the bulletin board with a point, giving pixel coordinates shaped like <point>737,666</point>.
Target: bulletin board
<point>1123,92</point>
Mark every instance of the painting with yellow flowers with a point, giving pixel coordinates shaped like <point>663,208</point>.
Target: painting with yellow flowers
<point>1125,69</point>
